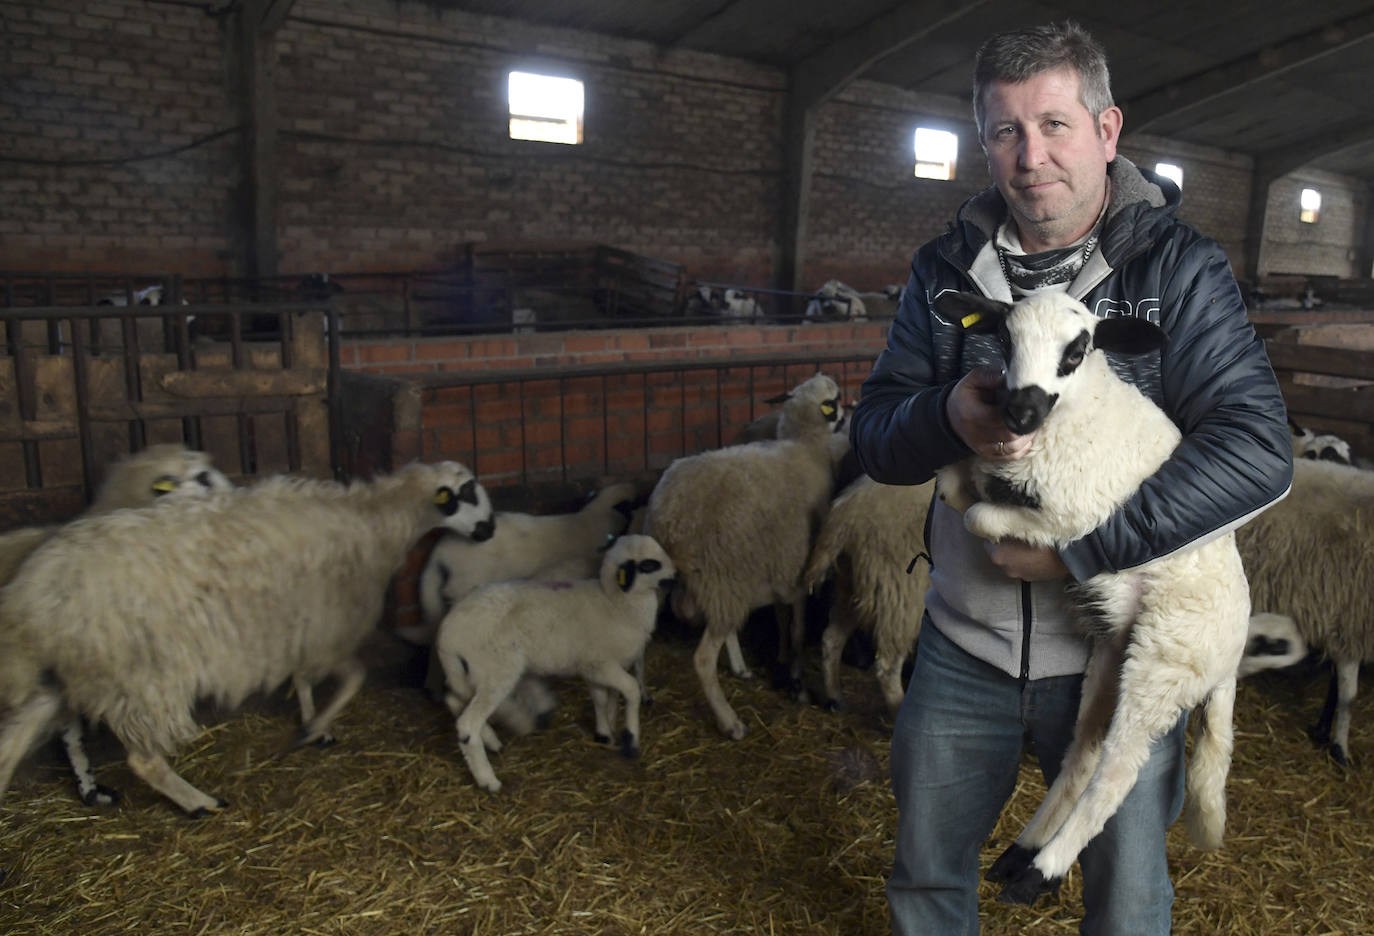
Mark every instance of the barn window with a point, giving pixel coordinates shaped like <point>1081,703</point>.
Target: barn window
<point>1171,172</point>
<point>546,108</point>
<point>936,153</point>
<point>1311,203</point>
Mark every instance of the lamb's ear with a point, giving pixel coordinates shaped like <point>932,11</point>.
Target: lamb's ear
<point>1126,334</point>
<point>625,574</point>
<point>974,313</point>
<point>779,399</point>
<point>1294,428</point>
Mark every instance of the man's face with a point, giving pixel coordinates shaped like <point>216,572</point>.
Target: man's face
<point>1048,156</point>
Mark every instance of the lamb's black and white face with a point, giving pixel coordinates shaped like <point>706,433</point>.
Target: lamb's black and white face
<point>636,562</point>
<point>1045,339</point>
<point>464,503</point>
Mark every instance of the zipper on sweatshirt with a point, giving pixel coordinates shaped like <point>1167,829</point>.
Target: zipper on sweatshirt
<point>1025,630</point>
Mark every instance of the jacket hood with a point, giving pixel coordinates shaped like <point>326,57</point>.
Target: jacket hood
<point>1141,205</point>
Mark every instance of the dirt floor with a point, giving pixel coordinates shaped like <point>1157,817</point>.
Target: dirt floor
<point>788,831</point>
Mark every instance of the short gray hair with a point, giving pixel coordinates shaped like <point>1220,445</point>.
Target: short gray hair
<point>1022,54</point>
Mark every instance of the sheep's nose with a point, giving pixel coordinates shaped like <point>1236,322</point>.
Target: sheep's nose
<point>1024,409</point>
<point>483,530</point>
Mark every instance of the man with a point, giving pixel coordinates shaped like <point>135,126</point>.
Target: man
<point>999,663</point>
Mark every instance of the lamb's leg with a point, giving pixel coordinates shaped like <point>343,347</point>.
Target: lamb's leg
<point>350,675</point>
<point>91,792</point>
<point>612,676</point>
<point>154,770</point>
<point>1205,805</point>
<point>460,692</point>
<point>837,632</point>
<point>1095,708</point>
<point>735,656</point>
<point>1000,521</point>
<point>791,636</point>
<point>888,672</point>
<point>707,653</point>
<point>603,707</point>
<point>25,725</point>
<point>1152,696</point>
<point>305,698</point>
<point>1334,728</point>
<point>471,722</point>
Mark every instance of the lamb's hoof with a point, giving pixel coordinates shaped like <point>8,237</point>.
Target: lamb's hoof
<point>645,700</point>
<point>833,706</point>
<point>1338,754</point>
<point>1011,864</point>
<point>542,721</point>
<point>1028,888</point>
<point>1320,735</point>
<point>493,787</point>
<point>203,811</point>
<point>629,746</point>
<point>736,732</point>
<point>745,673</point>
<point>101,796</point>
<point>602,738</point>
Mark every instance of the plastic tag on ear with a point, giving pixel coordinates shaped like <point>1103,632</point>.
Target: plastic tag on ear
<point>164,485</point>
<point>827,409</point>
<point>442,496</point>
<point>620,577</point>
<point>972,319</point>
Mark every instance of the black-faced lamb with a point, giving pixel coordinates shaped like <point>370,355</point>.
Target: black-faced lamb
<point>157,473</point>
<point>592,628</point>
<point>1166,636</point>
<point>739,521</point>
<point>870,543</point>
<point>130,617</point>
<point>1311,557</point>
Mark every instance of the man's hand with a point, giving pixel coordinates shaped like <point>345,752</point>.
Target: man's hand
<point>977,420</point>
<point>1028,563</point>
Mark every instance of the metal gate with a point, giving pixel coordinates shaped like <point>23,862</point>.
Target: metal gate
<point>81,386</point>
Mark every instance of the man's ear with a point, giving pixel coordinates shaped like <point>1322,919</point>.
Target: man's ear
<point>1126,334</point>
<point>974,313</point>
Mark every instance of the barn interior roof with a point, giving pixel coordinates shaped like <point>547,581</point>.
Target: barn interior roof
<point>1288,84</point>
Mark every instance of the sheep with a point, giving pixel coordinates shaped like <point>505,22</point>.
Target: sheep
<point>871,541</point>
<point>738,523</point>
<point>1326,447</point>
<point>132,616</point>
<point>522,545</point>
<point>835,301</point>
<point>740,304</point>
<point>591,628</point>
<point>1272,641</point>
<point>1311,556</point>
<point>1166,636</point>
<point>137,480</point>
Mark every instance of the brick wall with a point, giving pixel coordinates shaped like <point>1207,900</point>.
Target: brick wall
<point>393,150</point>
<point>526,432</point>
<point>1327,247</point>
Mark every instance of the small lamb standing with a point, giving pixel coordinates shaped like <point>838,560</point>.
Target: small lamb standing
<point>1166,636</point>
<point>738,522</point>
<point>593,628</point>
<point>131,617</point>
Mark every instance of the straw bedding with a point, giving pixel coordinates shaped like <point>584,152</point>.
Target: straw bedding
<point>788,831</point>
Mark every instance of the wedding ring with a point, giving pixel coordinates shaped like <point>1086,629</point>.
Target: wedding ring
<point>1001,448</point>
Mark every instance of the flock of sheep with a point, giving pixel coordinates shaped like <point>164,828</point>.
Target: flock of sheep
<point>176,586</point>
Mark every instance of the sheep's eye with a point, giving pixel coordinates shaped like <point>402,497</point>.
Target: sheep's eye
<point>650,565</point>
<point>468,492</point>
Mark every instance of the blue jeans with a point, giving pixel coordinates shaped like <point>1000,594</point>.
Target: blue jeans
<point>956,751</point>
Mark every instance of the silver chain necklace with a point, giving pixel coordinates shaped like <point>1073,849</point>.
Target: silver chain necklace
<point>1088,247</point>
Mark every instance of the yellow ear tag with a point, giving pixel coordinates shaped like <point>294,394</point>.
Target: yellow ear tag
<point>827,409</point>
<point>164,485</point>
<point>620,577</point>
<point>973,318</point>
<point>442,496</point>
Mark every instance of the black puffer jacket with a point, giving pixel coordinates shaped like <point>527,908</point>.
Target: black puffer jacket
<point>1213,379</point>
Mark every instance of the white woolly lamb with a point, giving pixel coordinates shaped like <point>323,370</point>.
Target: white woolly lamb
<point>1311,557</point>
<point>130,617</point>
<point>593,628</point>
<point>1166,636</point>
<point>1272,641</point>
<point>870,542</point>
<point>738,523</point>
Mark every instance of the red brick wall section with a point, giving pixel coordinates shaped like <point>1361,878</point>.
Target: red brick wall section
<point>540,429</point>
